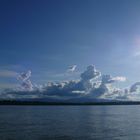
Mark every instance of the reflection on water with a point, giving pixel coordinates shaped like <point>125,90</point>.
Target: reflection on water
<point>69,122</point>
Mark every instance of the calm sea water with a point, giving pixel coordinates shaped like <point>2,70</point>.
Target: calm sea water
<point>69,122</point>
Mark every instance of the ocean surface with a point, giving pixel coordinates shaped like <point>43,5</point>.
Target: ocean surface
<point>70,122</point>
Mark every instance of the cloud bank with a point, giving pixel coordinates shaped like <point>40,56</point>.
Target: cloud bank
<point>90,86</point>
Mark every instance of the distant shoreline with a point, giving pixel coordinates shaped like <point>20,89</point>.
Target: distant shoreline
<point>69,103</point>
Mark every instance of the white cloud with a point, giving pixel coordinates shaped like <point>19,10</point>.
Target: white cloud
<point>27,85</point>
<point>108,79</point>
<point>90,73</point>
<point>72,68</point>
<point>136,54</point>
<point>119,78</point>
<point>25,75</point>
<point>26,82</point>
<point>89,87</point>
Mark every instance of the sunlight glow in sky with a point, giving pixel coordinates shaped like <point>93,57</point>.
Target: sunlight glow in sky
<point>48,36</point>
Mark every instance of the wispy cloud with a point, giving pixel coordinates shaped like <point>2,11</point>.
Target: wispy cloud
<point>7,85</point>
<point>136,46</point>
<point>8,73</point>
<point>72,68</point>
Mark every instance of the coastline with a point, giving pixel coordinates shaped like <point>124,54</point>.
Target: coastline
<point>12,102</point>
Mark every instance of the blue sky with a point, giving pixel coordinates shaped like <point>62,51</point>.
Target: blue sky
<point>47,36</point>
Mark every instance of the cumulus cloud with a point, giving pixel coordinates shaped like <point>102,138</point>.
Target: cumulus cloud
<point>88,77</point>
<point>90,85</point>
<point>90,73</point>
<point>64,89</point>
<point>26,83</point>
<point>25,75</point>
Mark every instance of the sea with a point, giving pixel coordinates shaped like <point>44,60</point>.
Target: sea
<point>118,122</point>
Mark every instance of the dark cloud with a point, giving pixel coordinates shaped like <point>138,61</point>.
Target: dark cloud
<point>135,87</point>
<point>90,73</point>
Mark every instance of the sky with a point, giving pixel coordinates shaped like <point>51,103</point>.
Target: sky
<point>48,36</point>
